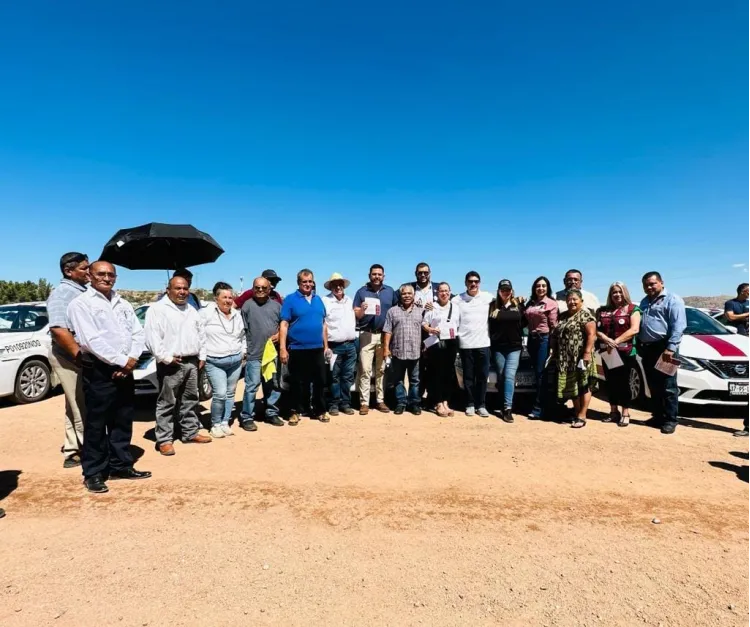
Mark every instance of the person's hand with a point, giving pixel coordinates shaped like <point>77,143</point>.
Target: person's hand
<point>587,359</point>
<point>668,355</point>
<point>275,338</point>
<point>363,306</point>
<point>128,367</point>
<point>284,356</point>
<point>176,360</point>
<point>433,330</point>
<point>609,348</point>
<point>429,306</point>
<point>611,343</point>
<point>521,300</point>
<point>120,374</point>
<point>328,353</point>
<point>386,354</point>
<point>201,363</point>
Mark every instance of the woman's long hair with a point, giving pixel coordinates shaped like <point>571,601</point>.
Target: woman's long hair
<point>497,302</point>
<point>532,299</point>
<point>625,294</point>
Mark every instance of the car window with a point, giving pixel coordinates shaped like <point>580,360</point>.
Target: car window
<point>140,313</point>
<point>699,323</point>
<point>22,318</point>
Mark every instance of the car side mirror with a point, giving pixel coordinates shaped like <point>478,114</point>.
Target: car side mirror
<point>730,329</point>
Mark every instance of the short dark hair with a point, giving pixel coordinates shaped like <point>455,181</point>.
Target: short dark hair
<point>741,287</point>
<point>422,264</point>
<point>471,273</point>
<point>574,271</point>
<point>221,286</point>
<point>69,261</point>
<point>651,273</point>
<point>184,273</point>
<point>376,266</point>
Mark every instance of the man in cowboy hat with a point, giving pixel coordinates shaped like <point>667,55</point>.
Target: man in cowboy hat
<point>342,342</point>
<point>273,278</point>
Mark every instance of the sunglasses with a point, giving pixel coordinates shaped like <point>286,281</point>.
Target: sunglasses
<point>473,281</point>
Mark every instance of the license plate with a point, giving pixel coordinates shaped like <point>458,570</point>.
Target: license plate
<point>526,380</point>
<point>738,389</point>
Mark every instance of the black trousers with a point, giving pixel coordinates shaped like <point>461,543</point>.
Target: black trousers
<point>108,427</point>
<point>664,390</point>
<point>441,370</point>
<point>617,381</point>
<point>307,367</point>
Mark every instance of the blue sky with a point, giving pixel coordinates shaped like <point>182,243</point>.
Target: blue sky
<point>513,138</point>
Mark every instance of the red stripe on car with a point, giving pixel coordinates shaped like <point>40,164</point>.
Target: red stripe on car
<point>724,348</point>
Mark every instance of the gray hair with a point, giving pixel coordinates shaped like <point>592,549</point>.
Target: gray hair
<point>406,286</point>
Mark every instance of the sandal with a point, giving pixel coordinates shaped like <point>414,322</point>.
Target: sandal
<point>578,423</point>
<point>624,421</point>
<point>614,416</point>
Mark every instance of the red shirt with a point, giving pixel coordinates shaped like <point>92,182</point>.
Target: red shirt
<point>248,294</point>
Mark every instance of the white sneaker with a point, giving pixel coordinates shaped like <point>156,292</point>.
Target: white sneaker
<point>470,410</point>
<point>226,429</point>
<point>217,432</point>
<point>482,411</point>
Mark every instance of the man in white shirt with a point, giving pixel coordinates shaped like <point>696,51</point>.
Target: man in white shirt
<point>342,344</point>
<point>111,340</point>
<point>573,281</point>
<point>474,342</point>
<point>176,338</point>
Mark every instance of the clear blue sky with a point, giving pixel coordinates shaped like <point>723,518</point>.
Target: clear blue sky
<point>514,138</point>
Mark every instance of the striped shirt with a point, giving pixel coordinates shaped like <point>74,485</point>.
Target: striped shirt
<point>58,301</point>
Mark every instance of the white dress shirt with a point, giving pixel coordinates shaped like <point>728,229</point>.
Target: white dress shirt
<point>473,329</point>
<point>173,331</point>
<point>106,328</point>
<point>340,319</point>
<point>446,318</point>
<point>224,336</point>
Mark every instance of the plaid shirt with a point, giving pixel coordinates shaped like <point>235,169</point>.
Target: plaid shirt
<point>405,326</point>
<point>58,301</point>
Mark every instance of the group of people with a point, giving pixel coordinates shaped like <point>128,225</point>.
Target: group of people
<point>314,348</point>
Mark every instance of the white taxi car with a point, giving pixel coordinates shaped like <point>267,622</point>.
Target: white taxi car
<point>25,372</point>
<point>713,364</point>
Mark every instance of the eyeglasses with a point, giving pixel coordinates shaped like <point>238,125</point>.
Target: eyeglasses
<point>473,281</point>
<point>423,271</point>
<point>260,288</point>
<point>105,275</point>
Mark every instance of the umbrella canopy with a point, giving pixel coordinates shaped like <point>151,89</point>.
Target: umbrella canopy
<point>156,246</point>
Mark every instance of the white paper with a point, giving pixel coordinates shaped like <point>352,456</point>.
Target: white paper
<point>333,361</point>
<point>373,306</point>
<point>612,359</point>
<point>669,368</point>
<point>431,341</point>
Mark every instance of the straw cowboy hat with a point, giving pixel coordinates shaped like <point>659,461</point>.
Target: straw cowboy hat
<point>336,277</point>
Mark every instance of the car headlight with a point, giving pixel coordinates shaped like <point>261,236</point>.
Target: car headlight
<point>690,364</point>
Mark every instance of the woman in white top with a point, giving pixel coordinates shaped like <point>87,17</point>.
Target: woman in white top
<point>474,343</point>
<point>441,324</point>
<point>225,348</point>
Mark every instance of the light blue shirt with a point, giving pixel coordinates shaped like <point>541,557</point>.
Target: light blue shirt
<point>663,319</point>
<point>58,301</point>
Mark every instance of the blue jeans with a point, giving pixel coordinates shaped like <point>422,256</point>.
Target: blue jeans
<point>539,351</point>
<point>271,395</point>
<point>476,367</point>
<point>400,367</point>
<point>223,373</point>
<point>342,375</point>
<point>506,365</point>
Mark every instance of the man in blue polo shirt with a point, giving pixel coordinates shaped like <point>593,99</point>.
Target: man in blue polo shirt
<point>303,345</point>
<point>371,303</point>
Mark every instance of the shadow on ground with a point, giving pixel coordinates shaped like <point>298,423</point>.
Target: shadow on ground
<point>8,482</point>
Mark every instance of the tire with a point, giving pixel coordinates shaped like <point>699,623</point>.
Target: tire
<point>33,382</point>
<point>636,385</point>
<point>205,391</point>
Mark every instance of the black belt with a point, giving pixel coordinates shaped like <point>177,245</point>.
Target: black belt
<point>335,344</point>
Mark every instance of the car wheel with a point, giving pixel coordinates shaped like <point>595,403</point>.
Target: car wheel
<point>635,384</point>
<point>33,382</point>
<point>205,391</point>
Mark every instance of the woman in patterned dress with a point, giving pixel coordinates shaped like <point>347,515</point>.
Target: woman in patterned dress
<point>573,347</point>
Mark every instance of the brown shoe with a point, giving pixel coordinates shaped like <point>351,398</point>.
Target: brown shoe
<point>166,448</point>
<point>293,420</point>
<point>199,439</point>
<point>364,410</point>
<point>382,407</point>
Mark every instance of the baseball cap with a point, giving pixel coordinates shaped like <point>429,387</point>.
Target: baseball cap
<point>271,275</point>
<point>505,284</point>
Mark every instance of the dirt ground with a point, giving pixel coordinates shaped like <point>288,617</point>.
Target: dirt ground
<point>382,520</point>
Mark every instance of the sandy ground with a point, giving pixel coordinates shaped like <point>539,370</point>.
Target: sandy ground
<point>383,520</point>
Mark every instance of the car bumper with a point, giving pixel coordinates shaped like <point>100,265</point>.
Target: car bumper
<point>8,371</point>
<point>705,388</point>
<point>146,381</point>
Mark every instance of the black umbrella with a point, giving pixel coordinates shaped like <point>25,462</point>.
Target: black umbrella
<point>156,246</point>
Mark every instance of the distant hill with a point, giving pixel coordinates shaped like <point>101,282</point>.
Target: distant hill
<point>140,297</point>
<point>707,302</point>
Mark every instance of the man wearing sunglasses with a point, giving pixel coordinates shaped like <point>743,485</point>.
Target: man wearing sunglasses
<point>262,316</point>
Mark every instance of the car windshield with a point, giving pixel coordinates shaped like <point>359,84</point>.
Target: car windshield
<point>140,313</point>
<point>699,323</point>
<point>22,318</point>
